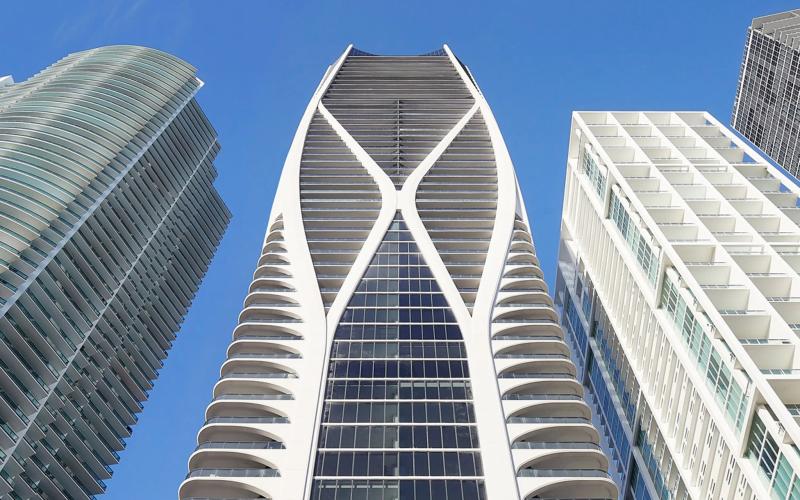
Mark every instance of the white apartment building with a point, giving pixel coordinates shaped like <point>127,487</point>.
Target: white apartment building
<point>398,340</point>
<point>679,286</point>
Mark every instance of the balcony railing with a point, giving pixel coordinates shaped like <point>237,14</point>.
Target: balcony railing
<point>253,397</point>
<point>542,397</point>
<point>562,473</point>
<point>538,445</point>
<point>247,420</point>
<point>547,420</point>
<point>233,473</point>
<point>241,445</point>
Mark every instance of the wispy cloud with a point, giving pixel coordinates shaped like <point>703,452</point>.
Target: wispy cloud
<point>101,22</point>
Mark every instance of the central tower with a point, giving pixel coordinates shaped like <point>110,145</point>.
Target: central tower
<point>398,340</point>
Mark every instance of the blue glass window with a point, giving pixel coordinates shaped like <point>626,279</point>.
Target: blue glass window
<point>398,413</point>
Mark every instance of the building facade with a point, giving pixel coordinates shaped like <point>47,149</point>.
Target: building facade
<point>767,106</point>
<point>108,221</point>
<point>678,285</point>
<point>398,340</point>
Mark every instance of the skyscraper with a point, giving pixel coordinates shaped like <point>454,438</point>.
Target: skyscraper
<point>768,96</point>
<point>679,288</point>
<point>108,221</point>
<point>398,340</point>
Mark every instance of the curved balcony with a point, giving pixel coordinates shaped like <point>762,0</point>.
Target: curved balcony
<point>536,375</point>
<point>510,298</point>
<point>522,258</point>
<point>233,472</point>
<point>555,445</point>
<point>265,331</point>
<point>268,314</point>
<point>272,259</point>
<point>241,349</point>
<point>223,463</point>
<point>275,247</point>
<point>567,474</point>
<point>258,364</point>
<point>520,233</point>
<point>522,313</point>
<point>557,433</point>
<point>260,298</point>
<point>522,247</point>
<point>237,437</point>
<point>526,337</point>
<point>577,462</point>
<point>240,445</point>
<point>270,285</point>
<point>586,487</point>
<point>240,356</point>
<point>271,271</point>
<point>231,412</point>
<point>522,271</point>
<point>253,390</point>
<point>545,328</point>
<point>274,234</point>
<point>255,368</point>
<point>204,486</point>
<point>548,420</point>
<point>522,350</point>
<point>253,397</point>
<point>529,355</point>
<point>528,389</point>
<point>522,283</point>
<point>257,375</point>
<point>542,367</point>
<point>542,397</point>
<point>550,408</point>
<point>252,460</point>
<point>247,420</point>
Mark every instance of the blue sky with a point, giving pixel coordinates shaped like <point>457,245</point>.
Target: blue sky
<point>535,62</point>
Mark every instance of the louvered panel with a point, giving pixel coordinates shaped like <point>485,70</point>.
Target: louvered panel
<point>398,108</point>
<point>457,200</point>
<point>340,202</point>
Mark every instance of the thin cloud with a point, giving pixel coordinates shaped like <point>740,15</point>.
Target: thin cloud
<point>102,23</point>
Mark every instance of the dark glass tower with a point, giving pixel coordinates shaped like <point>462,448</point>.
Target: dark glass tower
<point>768,96</point>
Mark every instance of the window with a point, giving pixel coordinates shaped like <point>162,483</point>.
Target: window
<point>398,401</point>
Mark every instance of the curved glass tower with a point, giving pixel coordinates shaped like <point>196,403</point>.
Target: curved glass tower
<point>398,340</point>
<point>108,221</point>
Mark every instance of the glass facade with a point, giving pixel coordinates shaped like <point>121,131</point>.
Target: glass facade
<point>729,395</point>
<point>609,380</point>
<point>773,466</point>
<point>398,419</point>
<point>621,447</point>
<point>616,366</point>
<point>638,489</point>
<point>593,173</point>
<point>663,470</point>
<point>574,326</point>
<point>645,255</point>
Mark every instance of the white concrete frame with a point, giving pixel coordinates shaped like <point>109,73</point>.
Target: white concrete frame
<point>726,222</point>
<point>510,240</point>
